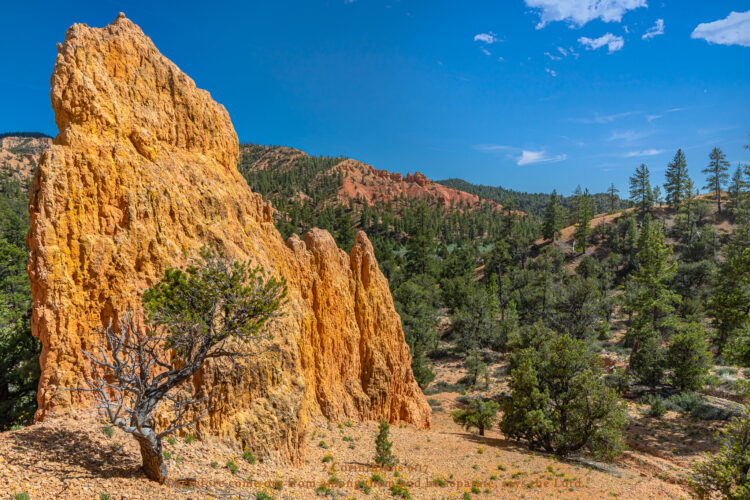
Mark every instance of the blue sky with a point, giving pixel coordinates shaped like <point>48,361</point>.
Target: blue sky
<point>527,94</point>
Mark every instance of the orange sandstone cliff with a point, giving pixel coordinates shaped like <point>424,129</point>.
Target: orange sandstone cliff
<point>142,174</point>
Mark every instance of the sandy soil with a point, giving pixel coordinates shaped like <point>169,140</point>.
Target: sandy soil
<point>75,459</point>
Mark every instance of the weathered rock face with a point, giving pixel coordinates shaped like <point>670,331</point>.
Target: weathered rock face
<point>142,174</point>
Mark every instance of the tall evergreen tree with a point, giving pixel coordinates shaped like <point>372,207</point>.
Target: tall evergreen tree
<point>553,218</point>
<point>656,195</point>
<point>652,301</point>
<point>677,179</point>
<point>717,174</point>
<point>688,357</point>
<point>730,302</point>
<point>737,189</point>
<point>584,214</point>
<point>640,188</point>
<point>612,192</point>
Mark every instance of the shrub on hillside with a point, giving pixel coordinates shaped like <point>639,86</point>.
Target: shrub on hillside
<point>479,414</point>
<point>560,402</point>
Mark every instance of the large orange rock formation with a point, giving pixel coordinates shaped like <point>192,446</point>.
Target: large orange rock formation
<point>142,174</point>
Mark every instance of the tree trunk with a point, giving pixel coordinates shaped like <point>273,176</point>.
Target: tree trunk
<point>481,431</point>
<point>153,461</point>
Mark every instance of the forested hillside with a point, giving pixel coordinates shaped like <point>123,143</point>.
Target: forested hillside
<point>636,314</point>
<point>534,203</point>
<point>19,351</point>
<point>501,288</point>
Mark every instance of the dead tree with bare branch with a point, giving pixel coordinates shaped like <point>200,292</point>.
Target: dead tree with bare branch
<point>208,311</point>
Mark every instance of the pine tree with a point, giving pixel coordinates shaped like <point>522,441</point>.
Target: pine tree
<point>584,214</point>
<point>640,188</point>
<point>731,290</point>
<point>737,189</point>
<point>476,367</point>
<point>690,202</point>
<point>559,402</point>
<point>553,222</point>
<point>717,174</point>
<point>689,358</point>
<point>652,301</point>
<point>479,414</point>
<point>383,455</point>
<point>656,195</point>
<point>612,192</point>
<point>647,361</point>
<point>677,177</point>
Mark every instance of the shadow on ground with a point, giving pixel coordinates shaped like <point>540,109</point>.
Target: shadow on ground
<point>79,455</point>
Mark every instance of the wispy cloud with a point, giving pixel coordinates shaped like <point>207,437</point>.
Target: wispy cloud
<point>613,42</point>
<point>579,12</point>
<point>494,147</point>
<point>485,51</point>
<point>560,53</point>
<point>578,143</point>
<point>656,30</point>
<point>531,157</point>
<point>651,118</point>
<point>627,135</point>
<point>645,152</point>
<point>602,119</point>
<point>551,71</point>
<point>521,156</point>
<point>732,30</point>
<point>488,38</point>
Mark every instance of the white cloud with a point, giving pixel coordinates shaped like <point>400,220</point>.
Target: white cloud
<point>551,71</point>
<point>487,38</point>
<point>602,119</point>
<point>613,42</point>
<point>651,118</point>
<point>562,51</point>
<point>501,59</point>
<point>645,152</point>
<point>485,51</point>
<point>531,157</point>
<point>656,30</point>
<point>733,30</point>
<point>552,56</point>
<point>627,136</point>
<point>579,12</point>
<point>493,147</point>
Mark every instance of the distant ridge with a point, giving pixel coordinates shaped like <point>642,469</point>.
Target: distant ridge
<point>33,135</point>
<point>347,180</point>
<point>531,203</point>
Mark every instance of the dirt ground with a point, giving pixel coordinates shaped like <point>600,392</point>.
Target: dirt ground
<point>75,459</point>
